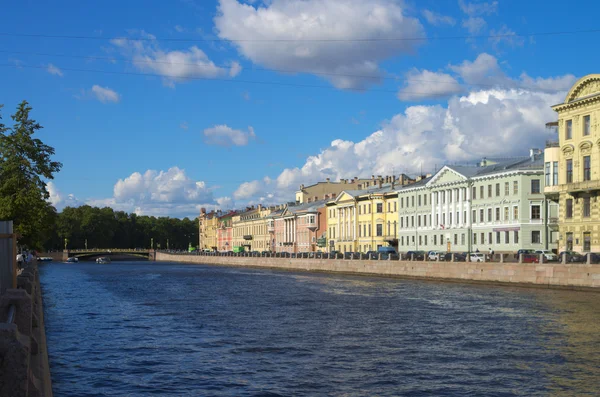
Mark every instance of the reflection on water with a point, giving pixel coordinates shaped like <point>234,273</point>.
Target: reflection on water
<point>173,330</point>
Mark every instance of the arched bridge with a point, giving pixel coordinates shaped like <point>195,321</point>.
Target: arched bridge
<point>88,254</point>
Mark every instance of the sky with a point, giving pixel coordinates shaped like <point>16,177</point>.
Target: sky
<point>164,107</point>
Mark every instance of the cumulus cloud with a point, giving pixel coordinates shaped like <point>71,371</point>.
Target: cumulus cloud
<point>478,8</point>
<point>474,24</point>
<point>506,36</point>
<point>105,94</point>
<point>60,200</point>
<point>175,66</point>
<point>468,127</point>
<point>223,135</point>
<point>427,85</point>
<point>437,19</point>
<point>54,70</point>
<point>313,36</point>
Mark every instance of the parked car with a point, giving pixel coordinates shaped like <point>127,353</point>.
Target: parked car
<point>476,257</point>
<point>416,255</point>
<point>572,256</point>
<point>594,257</point>
<point>336,255</point>
<point>531,258</point>
<point>372,255</point>
<point>434,255</point>
<point>458,257</point>
<point>549,256</point>
<point>524,251</point>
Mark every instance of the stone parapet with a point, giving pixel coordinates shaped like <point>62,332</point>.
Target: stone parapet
<point>547,275</point>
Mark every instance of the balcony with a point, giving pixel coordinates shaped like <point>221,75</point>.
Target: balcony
<point>583,187</point>
<point>311,225</point>
<point>248,237</point>
<point>553,220</point>
<point>270,229</point>
<point>552,190</point>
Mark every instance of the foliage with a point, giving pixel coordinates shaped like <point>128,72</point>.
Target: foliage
<point>25,165</point>
<point>106,228</point>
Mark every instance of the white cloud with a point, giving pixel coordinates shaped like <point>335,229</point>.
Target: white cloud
<point>251,189</point>
<point>504,35</point>
<point>179,28</point>
<point>426,85</point>
<point>474,24</point>
<point>58,199</point>
<point>54,70</point>
<point>224,135</point>
<point>175,66</point>
<point>478,8</point>
<point>437,19</point>
<point>184,126</point>
<point>105,94</point>
<point>313,36</point>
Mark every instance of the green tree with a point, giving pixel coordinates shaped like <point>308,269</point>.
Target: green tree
<point>25,164</point>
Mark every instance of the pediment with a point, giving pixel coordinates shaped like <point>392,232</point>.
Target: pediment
<point>585,145</point>
<point>586,86</point>
<point>446,175</point>
<point>343,196</point>
<point>568,150</point>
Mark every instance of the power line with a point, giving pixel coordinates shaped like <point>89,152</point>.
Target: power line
<point>232,80</point>
<point>366,39</point>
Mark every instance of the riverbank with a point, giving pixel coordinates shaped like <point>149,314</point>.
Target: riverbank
<point>546,275</point>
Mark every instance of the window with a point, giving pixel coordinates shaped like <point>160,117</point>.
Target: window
<point>586,207</point>
<point>535,237</point>
<point>425,239</point>
<point>489,190</point>
<point>535,186</point>
<point>437,219</point>
<point>481,218</point>
<point>435,239</point>
<point>506,237</point>
<point>515,213</point>
<point>569,211</point>
<point>586,125</point>
<point>506,188</point>
<point>412,221</point>
<point>425,203</point>
<point>497,214</point>
<point>419,221</point>
<point>586,168</point>
<point>420,240</point>
<point>395,206</point>
<point>369,230</point>
<point>464,217</point>
<point>497,190</point>
<point>450,218</point>
<point>462,239</point>
<point>359,208</point>
<point>489,214</point>
<point>547,173</point>
<point>389,206</point>
<point>570,171</point>
<point>555,173</point>
<point>401,222</point>
<point>419,200</point>
<point>497,237</point>
<point>481,192</point>
<point>379,230</point>
<point>402,202</point>
<point>455,239</point>
<point>474,238</point>
<point>483,238</point>
<point>515,187</point>
<point>474,193</point>
<point>535,212</point>
<point>412,201</point>
<point>425,220</point>
<point>569,241</point>
<point>569,129</point>
<point>457,220</point>
<point>506,218</point>
<point>474,218</point>
<point>379,208</point>
<point>587,241</point>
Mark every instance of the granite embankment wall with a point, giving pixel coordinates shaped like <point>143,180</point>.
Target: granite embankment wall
<point>547,275</point>
<point>24,367</point>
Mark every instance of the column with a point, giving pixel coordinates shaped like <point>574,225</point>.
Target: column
<point>432,210</point>
<point>460,206</point>
<point>448,193</point>
<point>339,236</point>
<point>440,206</point>
<point>468,209</point>
<point>354,229</point>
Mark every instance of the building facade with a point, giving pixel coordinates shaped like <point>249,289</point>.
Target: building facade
<point>575,166</point>
<point>225,232</point>
<point>250,229</point>
<point>208,223</point>
<point>463,209</point>
<point>301,228</point>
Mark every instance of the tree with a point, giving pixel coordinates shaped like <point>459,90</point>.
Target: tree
<point>25,165</point>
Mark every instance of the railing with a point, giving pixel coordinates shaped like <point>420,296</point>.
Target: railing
<point>550,144</point>
<point>84,250</point>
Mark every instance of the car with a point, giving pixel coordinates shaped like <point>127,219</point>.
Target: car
<point>434,255</point>
<point>476,257</point>
<point>524,251</point>
<point>531,258</point>
<point>572,256</point>
<point>549,256</point>
<point>336,255</point>
<point>416,255</point>
<point>458,257</point>
<point>372,255</point>
<point>594,257</point>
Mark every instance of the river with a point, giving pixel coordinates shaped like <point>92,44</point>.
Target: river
<point>167,329</point>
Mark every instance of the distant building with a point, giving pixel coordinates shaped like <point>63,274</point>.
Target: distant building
<point>300,227</point>
<point>572,166</point>
<point>208,223</point>
<point>250,228</point>
<point>225,232</point>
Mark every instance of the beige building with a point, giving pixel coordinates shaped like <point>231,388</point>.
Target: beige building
<point>572,166</point>
<point>330,190</point>
<point>251,229</point>
<point>208,223</point>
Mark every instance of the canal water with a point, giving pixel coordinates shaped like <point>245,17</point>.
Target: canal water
<point>167,329</point>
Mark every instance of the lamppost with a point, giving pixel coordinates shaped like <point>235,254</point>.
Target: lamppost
<point>152,243</point>
<point>86,243</point>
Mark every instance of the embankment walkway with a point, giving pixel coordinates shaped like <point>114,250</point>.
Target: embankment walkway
<point>545,275</point>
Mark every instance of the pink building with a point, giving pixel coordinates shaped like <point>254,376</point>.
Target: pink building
<point>225,232</point>
<point>300,228</point>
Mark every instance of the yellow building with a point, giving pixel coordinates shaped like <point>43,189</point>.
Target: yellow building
<point>208,223</point>
<point>363,220</point>
<point>251,229</point>
<point>575,180</point>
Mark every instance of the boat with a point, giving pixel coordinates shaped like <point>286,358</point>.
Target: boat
<point>103,259</point>
<point>44,259</point>
<point>73,260</point>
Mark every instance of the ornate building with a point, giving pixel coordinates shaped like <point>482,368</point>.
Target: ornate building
<point>573,166</point>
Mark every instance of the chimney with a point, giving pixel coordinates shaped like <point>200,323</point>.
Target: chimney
<point>259,207</point>
<point>393,183</point>
<point>359,186</point>
<point>327,179</point>
<point>356,178</point>
<point>380,182</point>
<point>373,177</point>
<point>203,210</point>
<point>341,181</point>
<point>302,187</point>
<point>534,153</point>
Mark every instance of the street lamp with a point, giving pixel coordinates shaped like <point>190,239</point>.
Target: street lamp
<point>152,243</point>
<point>86,243</point>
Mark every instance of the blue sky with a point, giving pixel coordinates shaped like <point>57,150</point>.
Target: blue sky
<point>162,107</point>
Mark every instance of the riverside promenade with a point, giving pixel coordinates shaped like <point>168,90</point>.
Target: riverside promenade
<point>543,275</point>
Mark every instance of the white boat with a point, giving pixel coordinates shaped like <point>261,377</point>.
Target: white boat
<point>44,259</point>
<point>73,260</point>
<point>103,260</point>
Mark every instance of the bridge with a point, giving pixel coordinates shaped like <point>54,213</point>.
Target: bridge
<point>124,253</point>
